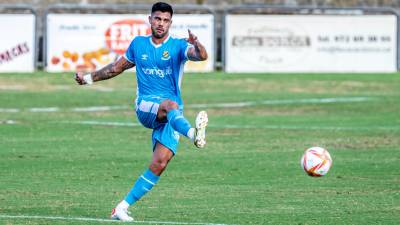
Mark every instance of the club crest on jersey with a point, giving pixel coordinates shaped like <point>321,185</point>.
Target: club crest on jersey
<point>165,55</point>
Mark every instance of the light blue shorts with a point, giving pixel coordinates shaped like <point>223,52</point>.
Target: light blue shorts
<point>146,111</point>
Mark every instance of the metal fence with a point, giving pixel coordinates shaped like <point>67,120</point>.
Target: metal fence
<point>218,49</point>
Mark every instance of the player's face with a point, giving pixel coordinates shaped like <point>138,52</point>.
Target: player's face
<point>160,23</point>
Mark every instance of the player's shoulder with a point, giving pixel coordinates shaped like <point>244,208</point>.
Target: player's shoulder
<point>141,38</point>
<point>177,39</point>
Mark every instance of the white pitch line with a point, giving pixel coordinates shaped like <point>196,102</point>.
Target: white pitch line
<point>281,102</point>
<point>99,108</point>
<point>98,220</point>
<point>48,109</point>
<point>227,126</point>
<point>196,106</point>
<point>305,127</point>
<point>120,124</point>
<point>9,110</point>
<point>8,122</point>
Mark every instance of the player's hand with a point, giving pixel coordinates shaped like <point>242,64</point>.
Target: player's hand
<point>192,38</point>
<point>79,78</point>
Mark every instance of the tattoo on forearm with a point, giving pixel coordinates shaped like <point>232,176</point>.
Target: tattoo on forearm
<point>112,70</point>
<point>198,53</point>
<point>104,73</point>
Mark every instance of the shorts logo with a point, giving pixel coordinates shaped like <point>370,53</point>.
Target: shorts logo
<point>165,55</point>
<point>176,135</point>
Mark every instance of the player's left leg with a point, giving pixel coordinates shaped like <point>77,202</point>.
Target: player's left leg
<point>197,134</point>
<point>200,134</point>
<point>169,110</point>
<point>161,157</point>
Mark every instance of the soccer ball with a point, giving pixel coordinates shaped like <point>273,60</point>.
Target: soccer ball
<point>316,161</point>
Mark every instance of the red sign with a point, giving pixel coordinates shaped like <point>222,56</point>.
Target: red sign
<point>120,34</point>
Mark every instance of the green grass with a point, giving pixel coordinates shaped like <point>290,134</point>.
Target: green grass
<point>50,165</point>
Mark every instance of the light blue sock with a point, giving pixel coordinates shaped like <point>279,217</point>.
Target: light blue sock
<point>178,122</point>
<point>142,185</point>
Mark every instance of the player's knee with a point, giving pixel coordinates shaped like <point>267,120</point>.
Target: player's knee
<point>170,105</point>
<point>164,108</point>
<point>157,167</point>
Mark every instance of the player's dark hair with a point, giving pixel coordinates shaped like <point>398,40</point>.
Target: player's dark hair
<point>163,7</point>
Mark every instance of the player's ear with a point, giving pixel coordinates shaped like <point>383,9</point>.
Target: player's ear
<point>150,19</point>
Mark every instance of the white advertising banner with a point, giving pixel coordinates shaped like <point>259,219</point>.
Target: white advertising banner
<point>17,46</point>
<point>82,42</point>
<point>311,43</point>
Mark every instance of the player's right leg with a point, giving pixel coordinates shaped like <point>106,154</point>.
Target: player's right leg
<point>146,111</point>
<point>143,184</point>
<point>121,212</point>
<point>161,156</point>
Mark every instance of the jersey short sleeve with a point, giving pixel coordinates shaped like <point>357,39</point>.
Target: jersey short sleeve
<point>184,47</point>
<point>130,52</point>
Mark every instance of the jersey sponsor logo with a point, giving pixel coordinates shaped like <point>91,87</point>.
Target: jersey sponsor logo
<point>158,72</point>
<point>165,55</point>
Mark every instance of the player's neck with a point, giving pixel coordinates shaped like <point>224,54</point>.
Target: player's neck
<point>158,41</point>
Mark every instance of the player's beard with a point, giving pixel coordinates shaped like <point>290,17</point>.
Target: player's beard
<point>158,35</point>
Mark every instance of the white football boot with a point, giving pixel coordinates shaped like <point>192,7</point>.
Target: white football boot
<point>200,132</point>
<point>121,214</point>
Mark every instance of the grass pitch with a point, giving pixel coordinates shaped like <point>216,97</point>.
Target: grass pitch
<point>59,159</point>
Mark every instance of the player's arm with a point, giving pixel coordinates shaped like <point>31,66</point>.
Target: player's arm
<point>197,52</point>
<point>107,72</point>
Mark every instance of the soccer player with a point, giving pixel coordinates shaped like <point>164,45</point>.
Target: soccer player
<point>159,59</point>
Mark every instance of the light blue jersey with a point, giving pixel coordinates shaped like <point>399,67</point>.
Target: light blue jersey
<point>159,71</point>
<point>159,68</point>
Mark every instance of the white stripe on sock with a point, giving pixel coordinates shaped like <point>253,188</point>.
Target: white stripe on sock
<point>148,181</point>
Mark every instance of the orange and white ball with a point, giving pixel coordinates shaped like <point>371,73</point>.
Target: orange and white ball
<point>316,161</point>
